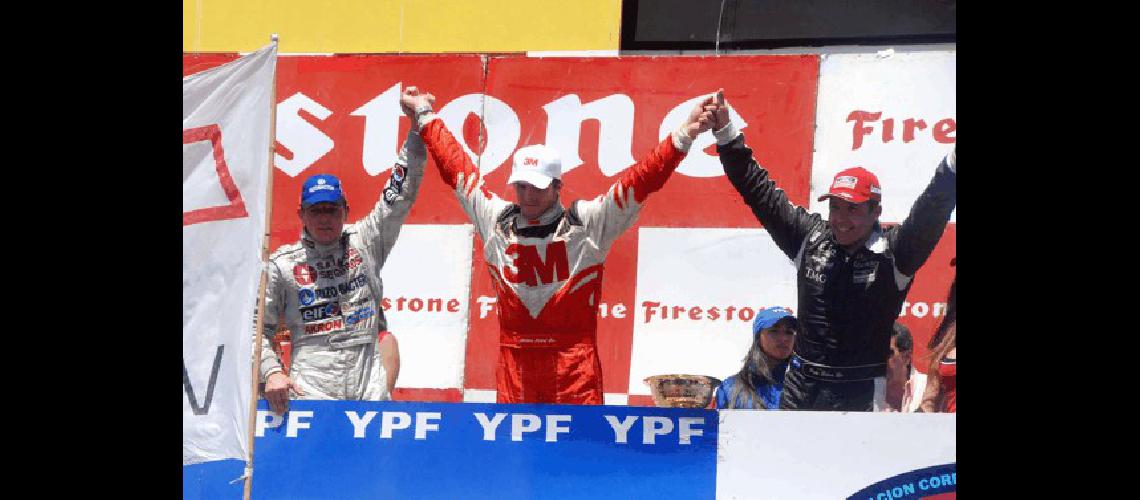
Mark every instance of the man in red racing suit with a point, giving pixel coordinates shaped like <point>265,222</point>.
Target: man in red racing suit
<point>546,261</point>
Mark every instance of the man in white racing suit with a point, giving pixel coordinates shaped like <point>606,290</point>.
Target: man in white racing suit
<point>326,289</point>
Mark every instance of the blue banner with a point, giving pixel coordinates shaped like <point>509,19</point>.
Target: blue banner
<point>355,449</point>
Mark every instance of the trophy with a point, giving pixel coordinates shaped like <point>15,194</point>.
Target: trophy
<point>682,391</point>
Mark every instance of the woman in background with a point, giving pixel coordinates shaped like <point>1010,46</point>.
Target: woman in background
<point>760,381</point>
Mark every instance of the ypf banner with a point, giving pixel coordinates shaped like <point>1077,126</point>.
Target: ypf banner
<point>393,449</point>
<point>364,449</point>
<point>225,157</point>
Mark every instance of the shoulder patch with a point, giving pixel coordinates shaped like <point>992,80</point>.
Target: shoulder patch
<point>878,242</point>
<point>815,234</point>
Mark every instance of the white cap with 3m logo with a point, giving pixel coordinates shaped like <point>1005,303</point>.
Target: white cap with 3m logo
<point>536,165</point>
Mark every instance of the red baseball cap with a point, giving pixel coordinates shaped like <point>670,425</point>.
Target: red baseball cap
<point>855,185</point>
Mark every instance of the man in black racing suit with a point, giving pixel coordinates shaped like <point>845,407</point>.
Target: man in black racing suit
<point>852,275</point>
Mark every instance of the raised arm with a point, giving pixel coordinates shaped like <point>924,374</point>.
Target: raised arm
<point>455,167</point>
<point>786,223</point>
<point>380,228</point>
<point>608,215</point>
<point>920,232</point>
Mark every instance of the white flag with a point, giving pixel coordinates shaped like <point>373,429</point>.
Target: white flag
<point>225,162</point>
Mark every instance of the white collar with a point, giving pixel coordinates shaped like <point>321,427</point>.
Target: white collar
<point>312,243</point>
<point>550,215</point>
<point>876,242</point>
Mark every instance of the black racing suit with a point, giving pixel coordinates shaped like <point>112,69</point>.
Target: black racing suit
<point>847,302</point>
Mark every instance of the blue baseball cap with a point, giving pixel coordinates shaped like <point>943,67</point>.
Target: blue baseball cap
<point>769,316</point>
<point>321,188</point>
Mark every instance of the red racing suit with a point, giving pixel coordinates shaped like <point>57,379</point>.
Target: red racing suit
<point>547,273</point>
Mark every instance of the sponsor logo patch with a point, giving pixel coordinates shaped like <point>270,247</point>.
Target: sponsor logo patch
<point>306,296</point>
<point>845,181</point>
<point>304,274</point>
<point>526,265</point>
<point>360,315</point>
<point>865,271</point>
<point>332,272</point>
<point>327,326</point>
<point>320,311</point>
<point>329,292</point>
<point>354,259</point>
<point>321,186</point>
<point>395,184</point>
<point>336,267</point>
<point>819,263</point>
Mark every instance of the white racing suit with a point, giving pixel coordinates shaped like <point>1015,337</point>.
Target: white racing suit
<point>329,296</point>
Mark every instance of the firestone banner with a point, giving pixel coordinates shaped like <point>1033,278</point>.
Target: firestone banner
<point>225,155</point>
<point>696,246</point>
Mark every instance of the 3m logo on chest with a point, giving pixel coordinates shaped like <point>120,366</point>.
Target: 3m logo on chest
<point>525,265</point>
